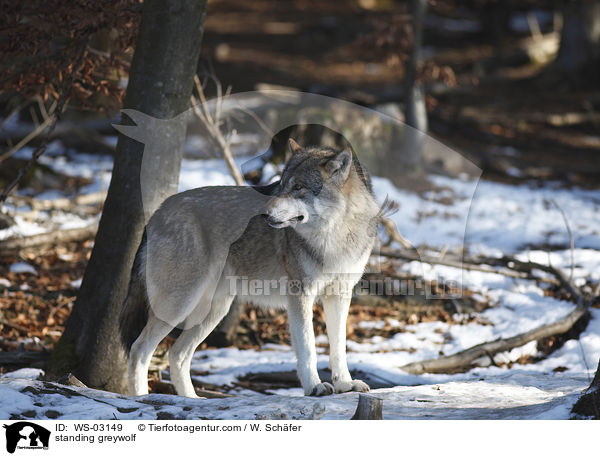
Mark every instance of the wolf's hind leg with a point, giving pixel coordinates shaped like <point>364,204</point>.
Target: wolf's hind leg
<point>141,354</point>
<point>181,353</point>
<point>336,313</point>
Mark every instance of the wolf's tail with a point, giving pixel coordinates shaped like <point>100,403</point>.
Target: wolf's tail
<point>134,314</point>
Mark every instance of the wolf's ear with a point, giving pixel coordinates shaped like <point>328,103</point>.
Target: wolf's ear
<point>294,147</point>
<point>338,167</point>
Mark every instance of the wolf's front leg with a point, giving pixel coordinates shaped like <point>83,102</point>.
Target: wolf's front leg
<point>336,313</point>
<point>303,339</point>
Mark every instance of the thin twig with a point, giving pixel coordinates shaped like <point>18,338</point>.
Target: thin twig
<point>572,249</point>
<point>393,234</point>
<point>571,240</point>
<point>34,133</point>
<point>42,107</point>
<point>213,125</point>
<point>257,119</point>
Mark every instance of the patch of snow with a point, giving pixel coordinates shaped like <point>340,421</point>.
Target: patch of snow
<point>527,213</point>
<point>22,268</point>
<point>25,373</point>
<point>521,397</point>
<point>21,228</point>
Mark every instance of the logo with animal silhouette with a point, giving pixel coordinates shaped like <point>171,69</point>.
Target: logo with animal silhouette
<point>25,435</point>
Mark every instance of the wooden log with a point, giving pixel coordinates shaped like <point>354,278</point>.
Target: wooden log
<point>93,199</point>
<point>463,360</point>
<point>289,379</point>
<point>21,358</point>
<point>369,408</point>
<point>14,245</point>
<point>168,388</point>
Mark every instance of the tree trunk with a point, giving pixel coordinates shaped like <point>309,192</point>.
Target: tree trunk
<point>416,113</point>
<point>580,37</point>
<point>588,405</point>
<point>408,161</point>
<point>160,86</point>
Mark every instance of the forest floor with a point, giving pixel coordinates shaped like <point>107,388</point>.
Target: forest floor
<point>534,381</point>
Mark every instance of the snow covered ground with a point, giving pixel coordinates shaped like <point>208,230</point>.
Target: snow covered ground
<point>486,217</point>
<point>515,395</point>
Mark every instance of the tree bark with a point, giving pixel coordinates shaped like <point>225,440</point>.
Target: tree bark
<point>416,113</point>
<point>160,86</point>
<point>588,405</point>
<point>408,161</point>
<point>580,37</point>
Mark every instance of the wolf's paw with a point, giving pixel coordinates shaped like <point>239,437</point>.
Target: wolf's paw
<point>322,389</point>
<point>352,385</point>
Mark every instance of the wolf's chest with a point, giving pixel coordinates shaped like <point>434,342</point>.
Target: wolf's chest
<point>340,257</point>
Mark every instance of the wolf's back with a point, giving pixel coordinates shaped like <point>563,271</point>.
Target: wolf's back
<point>134,314</point>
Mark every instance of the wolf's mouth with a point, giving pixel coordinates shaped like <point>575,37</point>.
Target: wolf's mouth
<point>281,224</point>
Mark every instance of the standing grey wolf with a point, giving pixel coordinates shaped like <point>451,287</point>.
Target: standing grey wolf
<point>301,240</point>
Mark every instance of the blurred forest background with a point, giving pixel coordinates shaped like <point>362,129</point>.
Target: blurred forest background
<point>496,75</point>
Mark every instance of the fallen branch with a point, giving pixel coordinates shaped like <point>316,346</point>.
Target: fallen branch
<point>289,379</point>
<point>168,388</point>
<point>91,199</point>
<point>480,264</point>
<point>24,358</point>
<point>15,245</point>
<point>463,360</point>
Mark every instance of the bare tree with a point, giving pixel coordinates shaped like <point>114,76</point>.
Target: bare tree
<point>580,37</point>
<point>409,160</point>
<point>160,86</point>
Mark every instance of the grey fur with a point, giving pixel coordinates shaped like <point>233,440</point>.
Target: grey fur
<point>301,236</point>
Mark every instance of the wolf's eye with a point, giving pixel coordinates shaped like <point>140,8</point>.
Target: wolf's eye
<point>298,187</point>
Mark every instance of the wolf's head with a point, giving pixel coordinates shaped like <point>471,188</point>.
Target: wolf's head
<point>314,188</point>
